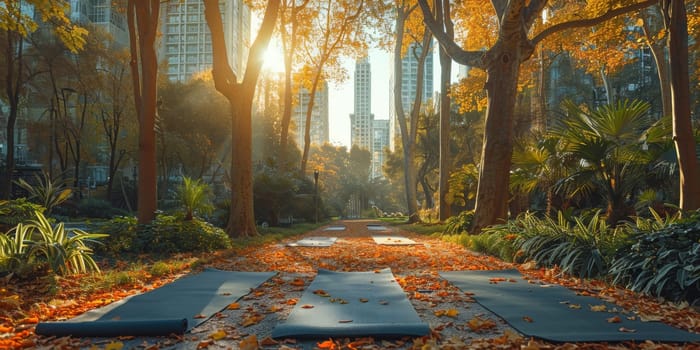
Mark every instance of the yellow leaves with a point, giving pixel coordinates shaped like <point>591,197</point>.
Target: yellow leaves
<point>574,306</point>
<point>598,308</point>
<point>115,345</point>
<point>218,335</point>
<point>448,312</point>
<point>477,324</point>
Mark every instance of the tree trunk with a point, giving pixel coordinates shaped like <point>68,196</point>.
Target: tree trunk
<point>143,24</point>
<point>445,109</point>
<point>241,221</point>
<point>492,195</point>
<point>680,94</point>
<point>662,70</point>
<point>12,84</point>
<point>309,112</point>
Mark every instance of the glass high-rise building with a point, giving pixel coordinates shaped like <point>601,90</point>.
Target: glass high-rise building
<point>318,131</point>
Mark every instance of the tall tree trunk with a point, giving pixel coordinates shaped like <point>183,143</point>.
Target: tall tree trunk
<point>240,97</point>
<point>143,17</point>
<point>309,112</point>
<point>492,195</point>
<point>442,9</point>
<point>658,51</point>
<point>676,18</point>
<point>241,221</point>
<point>14,72</point>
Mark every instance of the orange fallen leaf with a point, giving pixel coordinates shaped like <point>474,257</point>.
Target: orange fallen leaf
<point>615,319</point>
<point>528,319</point>
<point>268,342</point>
<point>364,300</point>
<point>292,301</point>
<point>478,324</point>
<point>204,344</point>
<point>298,282</point>
<point>307,306</point>
<point>234,306</point>
<point>30,320</point>
<point>200,316</point>
<point>322,293</point>
<point>249,343</point>
<point>251,320</point>
<point>327,344</point>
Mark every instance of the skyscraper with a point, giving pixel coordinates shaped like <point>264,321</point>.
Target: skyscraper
<point>380,141</point>
<point>186,42</point>
<point>361,119</point>
<point>318,131</point>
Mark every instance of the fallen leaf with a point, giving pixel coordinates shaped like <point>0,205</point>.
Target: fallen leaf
<point>115,345</point>
<point>204,344</point>
<point>249,343</point>
<point>575,306</point>
<point>328,344</point>
<point>626,330</point>
<point>614,319</point>
<point>298,282</point>
<point>322,293</point>
<point>598,308</point>
<point>363,300</point>
<point>218,335</point>
<point>200,316</point>
<point>234,306</point>
<point>477,324</point>
<point>528,319</point>
<point>345,321</point>
<point>268,342</point>
<point>251,320</point>
<point>307,306</point>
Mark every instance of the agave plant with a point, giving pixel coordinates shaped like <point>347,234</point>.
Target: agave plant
<point>65,252</point>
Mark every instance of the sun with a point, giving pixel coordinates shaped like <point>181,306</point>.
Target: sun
<point>273,58</point>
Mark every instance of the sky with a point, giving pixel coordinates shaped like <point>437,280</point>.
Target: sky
<point>341,97</point>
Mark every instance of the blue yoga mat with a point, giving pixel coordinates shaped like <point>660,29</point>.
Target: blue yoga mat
<point>352,304</point>
<point>176,307</point>
<point>552,312</point>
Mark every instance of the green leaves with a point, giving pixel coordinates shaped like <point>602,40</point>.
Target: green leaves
<point>195,196</point>
<point>39,242</point>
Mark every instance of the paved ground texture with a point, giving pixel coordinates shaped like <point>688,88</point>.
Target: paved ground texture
<point>457,322</point>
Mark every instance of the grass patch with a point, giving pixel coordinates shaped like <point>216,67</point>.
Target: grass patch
<point>421,228</point>
<point>274,234</point>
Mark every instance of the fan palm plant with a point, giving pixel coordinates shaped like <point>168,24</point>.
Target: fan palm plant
<point>195,196</point>
<point>608,142</point>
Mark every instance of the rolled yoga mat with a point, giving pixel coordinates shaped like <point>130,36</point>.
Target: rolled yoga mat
<point>176,307</point>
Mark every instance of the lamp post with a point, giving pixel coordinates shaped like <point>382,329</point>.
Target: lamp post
<point>316,196</point>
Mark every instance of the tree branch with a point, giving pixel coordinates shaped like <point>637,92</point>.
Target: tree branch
<point>588,22</point>
<point>469,58</point>
<point>255,56</point>
<point>222,73</point>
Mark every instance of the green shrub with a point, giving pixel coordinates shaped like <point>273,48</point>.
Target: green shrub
<point>165,235</point>
<point>15,211</point>
<point>663,262</point>
<point>459,223</point>
<point>195,197</point>
<point>584,248</point>
<point>497,243</point>
<point>15,251</point>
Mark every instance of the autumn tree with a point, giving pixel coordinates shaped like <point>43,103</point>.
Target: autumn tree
<point>411,38</point>
<point>295,26</point>
<point>515,44</point>
<point>16,25</point>
<point>142,18</point>
<point>240,95</point>
<point>337,30</point>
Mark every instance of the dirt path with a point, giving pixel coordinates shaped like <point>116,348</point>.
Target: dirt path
<point>415,267</point>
